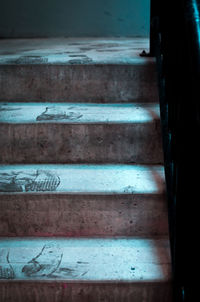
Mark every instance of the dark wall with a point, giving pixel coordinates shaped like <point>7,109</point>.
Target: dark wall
<point>40,18</point>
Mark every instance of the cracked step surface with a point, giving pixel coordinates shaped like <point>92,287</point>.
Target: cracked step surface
<point>136,267</point>
<point>48,133</point>
<point>73,70</point>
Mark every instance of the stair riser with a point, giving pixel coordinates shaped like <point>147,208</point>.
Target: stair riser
<point>81,143</point>
<point>83,215</point>
<point>78,83</point>
<point>85,292</point>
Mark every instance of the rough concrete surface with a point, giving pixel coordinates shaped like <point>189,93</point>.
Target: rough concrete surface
<point>117,133</point>
<point>85,269</point>
<point>82,200</point>
<point>75,215</point>
<point>70,51</point>
<point>86,175</point>
<point>75,70</point>
<point>85,292</point>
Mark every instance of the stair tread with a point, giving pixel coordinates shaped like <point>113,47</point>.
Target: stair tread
<point>77,70</point>
<point>76,178</point>
<point>74,51</point>
<point>78,113</point>
<point>86,259</point>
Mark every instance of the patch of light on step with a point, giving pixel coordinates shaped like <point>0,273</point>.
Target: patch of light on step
<point>107,179</point>
<point>78,113</point>
<point>131,259</point>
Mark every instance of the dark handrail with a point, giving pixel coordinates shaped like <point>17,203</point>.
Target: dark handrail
<point>175,41</point>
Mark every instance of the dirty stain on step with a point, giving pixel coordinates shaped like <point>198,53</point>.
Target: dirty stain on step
<point>38,267</point>
<point>85,51</point>
<point>54,113</point>
<point>46,264</point>
<point>84,259</point>
<point>6,269</point>
<point>33,181</point>
<point>89,179</point>
<point>8,108</point>
<point>80,60</point>
<point>81,113</point>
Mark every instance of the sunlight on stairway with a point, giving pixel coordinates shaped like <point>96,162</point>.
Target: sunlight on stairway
<point>82,190</point>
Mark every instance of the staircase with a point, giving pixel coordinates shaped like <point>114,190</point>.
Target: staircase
<point>83,214</point>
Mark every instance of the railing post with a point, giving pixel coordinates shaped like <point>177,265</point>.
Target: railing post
<point>154,14</point>
<point>179,53</point>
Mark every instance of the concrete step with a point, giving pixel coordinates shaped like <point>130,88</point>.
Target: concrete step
<point>80,133</point>
<point>85,270</point>
<point>74,69</point>
<point>82,200</point>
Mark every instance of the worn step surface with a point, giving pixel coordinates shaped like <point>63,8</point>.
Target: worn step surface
<point>85,269</point>
<point>87,133</point>
<point>82,200</point>
<point>76,69</point>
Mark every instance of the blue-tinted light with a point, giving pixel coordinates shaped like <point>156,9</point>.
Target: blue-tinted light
<point>197,18</point>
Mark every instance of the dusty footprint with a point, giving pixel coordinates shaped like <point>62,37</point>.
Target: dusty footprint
<point>129,189</point>
<point>54,113</point>
<point>34,181</point>
<point>6,269</point>
<point>8,183</point>
<point>45,263</point>
<point>44,181</point>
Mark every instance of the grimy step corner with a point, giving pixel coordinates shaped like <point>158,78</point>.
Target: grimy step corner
<point>83,212</point>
